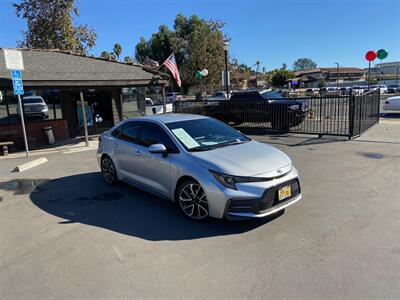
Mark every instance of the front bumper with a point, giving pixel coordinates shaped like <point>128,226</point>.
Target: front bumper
<point>265,205</point>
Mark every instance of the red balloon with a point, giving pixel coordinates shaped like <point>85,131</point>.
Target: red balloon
<point>370,55</point>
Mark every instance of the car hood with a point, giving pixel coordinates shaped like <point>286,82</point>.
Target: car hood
<point>247,159</point>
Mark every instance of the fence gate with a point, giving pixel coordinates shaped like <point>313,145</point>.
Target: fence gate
<point>347,115</point>
<point>364,112</point>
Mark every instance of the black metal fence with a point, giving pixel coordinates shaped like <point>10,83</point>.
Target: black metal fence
<point>364,112</point>
<point>341,115</point>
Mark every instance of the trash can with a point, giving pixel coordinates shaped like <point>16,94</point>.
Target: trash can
<point>48,134</point>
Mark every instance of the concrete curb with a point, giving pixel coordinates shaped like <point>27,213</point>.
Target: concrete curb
<point>30,164</point>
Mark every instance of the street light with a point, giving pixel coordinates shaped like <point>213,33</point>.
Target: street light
<point>337,75</point>
<point>226,47</point>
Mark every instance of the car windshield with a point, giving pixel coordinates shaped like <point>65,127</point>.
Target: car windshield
<point>205,134</point>
<point>271,95</point>
<point>32,100</point>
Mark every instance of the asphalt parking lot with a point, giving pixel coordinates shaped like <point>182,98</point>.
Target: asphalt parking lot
<point>65,234</point>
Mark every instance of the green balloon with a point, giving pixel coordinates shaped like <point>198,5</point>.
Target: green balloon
<point>198,74</point>
<point>382,53</point>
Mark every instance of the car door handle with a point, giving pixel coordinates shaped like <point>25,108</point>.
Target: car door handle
<point>115,145</point>
<point>138,153</point>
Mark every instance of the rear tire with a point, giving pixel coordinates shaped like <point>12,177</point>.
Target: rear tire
<point>192,200</point>
<point>108,170</point>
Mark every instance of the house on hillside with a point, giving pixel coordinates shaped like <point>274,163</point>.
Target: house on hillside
<point>327,76</point>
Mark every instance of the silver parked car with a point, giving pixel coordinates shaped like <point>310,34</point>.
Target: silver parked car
<point>206,166</point>
<point>34,106</point>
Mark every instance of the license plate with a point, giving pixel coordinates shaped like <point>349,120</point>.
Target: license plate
<point>284,192</point>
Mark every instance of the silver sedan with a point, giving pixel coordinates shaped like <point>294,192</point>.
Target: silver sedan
<point>204,165</point>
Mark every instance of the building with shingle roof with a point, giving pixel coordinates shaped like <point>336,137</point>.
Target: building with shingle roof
<point>111,91</point>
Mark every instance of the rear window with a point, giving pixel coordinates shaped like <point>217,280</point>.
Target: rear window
<point>246,96</point>
<point>271,95</point>
<point>32,100</point>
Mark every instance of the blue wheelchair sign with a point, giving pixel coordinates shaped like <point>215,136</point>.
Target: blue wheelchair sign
<point>17,82</point>
<point>16,74</point>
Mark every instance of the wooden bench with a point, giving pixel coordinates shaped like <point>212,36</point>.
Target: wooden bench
<point>5,147</point>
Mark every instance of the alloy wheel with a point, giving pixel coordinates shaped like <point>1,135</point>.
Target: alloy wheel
<point>193,201</point>
<point>108,170</point>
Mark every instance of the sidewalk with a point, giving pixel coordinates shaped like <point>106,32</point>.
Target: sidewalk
<point>69,146</point>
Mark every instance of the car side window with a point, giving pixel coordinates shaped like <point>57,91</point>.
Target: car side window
<point>153,134</point>
<point>128,132</point>
<point>117,131</point>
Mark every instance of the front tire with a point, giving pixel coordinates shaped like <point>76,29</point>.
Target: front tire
<point>108,170</point>
<point>192,200</point>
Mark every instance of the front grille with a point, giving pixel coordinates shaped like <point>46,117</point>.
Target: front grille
<point>270,196</point>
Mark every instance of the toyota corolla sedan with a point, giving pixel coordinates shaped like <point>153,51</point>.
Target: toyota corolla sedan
<point>205,166</point>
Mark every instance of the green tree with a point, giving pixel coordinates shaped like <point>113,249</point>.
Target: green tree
<point>50,26</point>
<point>279,77</point>
<point>105,54</point>
<point>197,44</point>
<point>117,50</point>
<point>142,50</point>
<point>127,59</point>
<point>304,64</point>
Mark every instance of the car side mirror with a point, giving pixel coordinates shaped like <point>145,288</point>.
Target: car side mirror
<point>158,148</point>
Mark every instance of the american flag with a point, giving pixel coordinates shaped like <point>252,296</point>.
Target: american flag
<point>171,65</point>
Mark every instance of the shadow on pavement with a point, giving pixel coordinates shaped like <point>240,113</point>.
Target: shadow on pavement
<point>390,115</point>
<point>87,199</point>
<point>290,139</point>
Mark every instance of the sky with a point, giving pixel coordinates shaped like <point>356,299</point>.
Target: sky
<point>274,32</point>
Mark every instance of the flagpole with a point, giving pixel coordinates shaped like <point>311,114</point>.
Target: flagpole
<point>164,100</point>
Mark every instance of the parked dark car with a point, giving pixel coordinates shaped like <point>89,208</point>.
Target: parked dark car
<point>393,89</point>
<point>260,106</point>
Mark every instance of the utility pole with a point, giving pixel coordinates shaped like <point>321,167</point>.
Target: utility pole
<point>226,46</point>
<point>337,75</point>
<point>84,119</point>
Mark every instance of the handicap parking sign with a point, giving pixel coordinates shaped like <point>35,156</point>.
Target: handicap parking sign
<point>17,82</point>
<point>16,74</point>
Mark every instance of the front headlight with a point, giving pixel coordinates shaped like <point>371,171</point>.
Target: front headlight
<point>294,107</point>
<point>230,181</point>
<point>226,180</point>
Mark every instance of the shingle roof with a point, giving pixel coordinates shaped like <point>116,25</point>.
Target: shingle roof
<point>54,65</point>
<point>331,70</point>
<point>343,70</point>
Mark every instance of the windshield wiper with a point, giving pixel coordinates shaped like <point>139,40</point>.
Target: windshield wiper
<point>197,149</point>
<point>229,143</point>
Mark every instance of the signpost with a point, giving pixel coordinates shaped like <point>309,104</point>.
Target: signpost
<point>14,62</point>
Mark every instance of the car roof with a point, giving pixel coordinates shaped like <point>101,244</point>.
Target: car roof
<point>168,118</point>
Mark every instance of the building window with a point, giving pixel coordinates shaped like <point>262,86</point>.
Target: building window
<point>35,109</point>
<point>133,102</point>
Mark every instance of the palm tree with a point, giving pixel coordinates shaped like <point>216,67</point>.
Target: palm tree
<point>117,50</point>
